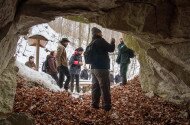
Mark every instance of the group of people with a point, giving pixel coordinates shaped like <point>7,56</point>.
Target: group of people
<point>58,66</point>
<point>57,63</point>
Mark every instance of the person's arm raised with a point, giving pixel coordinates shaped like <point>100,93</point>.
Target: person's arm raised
<point>110,47</point>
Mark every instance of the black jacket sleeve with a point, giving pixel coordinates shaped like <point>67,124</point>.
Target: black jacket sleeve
<point>118,60</point>
<point>109,47</point>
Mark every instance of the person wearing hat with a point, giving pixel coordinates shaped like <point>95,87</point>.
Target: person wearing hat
<point>62,63</point>
<point>75,63</point>
<point>100,70</point>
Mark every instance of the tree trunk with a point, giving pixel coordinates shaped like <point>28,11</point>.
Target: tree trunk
<point>37,54</point>
<point>80,35</point>
<point>88,37</point>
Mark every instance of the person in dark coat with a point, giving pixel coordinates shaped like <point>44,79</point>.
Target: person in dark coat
<point>124,60</point>
<point>51,65</point>
<point>30,63</point>
<point>100,70</point>
<point>75,63</point>
<point>84,74</point>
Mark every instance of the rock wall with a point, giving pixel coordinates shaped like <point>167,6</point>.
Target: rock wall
<point>7,88</point>
<point>162,72</point>
<point>7,72</point>
<point>158,30</point>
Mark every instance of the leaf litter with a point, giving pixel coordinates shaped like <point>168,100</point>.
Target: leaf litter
<point>130,106</point>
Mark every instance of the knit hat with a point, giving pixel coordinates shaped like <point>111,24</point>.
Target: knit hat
<point>31,57</point>
<point>80,49</point>
<point>95,30</point>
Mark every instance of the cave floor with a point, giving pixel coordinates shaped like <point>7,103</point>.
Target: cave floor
<point>130,107</point>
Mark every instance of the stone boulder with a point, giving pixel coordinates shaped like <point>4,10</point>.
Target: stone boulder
<point>17,119</point>
<point>162,71</point>
<point>7,88</point>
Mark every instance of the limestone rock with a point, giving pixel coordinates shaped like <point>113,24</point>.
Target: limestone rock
<point>150,94</point>
<point>7,11</point>
<point>162,70</point>
<point>17,119</point>
<point>8,47</point>
<point>7,88</point>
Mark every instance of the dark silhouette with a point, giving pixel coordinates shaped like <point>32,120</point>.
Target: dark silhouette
<point>100,70</point>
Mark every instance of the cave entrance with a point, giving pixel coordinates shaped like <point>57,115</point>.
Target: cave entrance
<point>80,36</point>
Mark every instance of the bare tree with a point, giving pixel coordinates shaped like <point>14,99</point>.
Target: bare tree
<point>88,37</point>
<point>80,31</point>
<point>80,35</point>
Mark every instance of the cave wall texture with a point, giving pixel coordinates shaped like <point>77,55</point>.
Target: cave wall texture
<point>158,30</point>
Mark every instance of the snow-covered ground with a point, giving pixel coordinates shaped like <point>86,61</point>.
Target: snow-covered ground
<point>40,78</point>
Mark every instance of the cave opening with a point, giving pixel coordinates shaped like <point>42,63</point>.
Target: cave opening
<point>80,36</point>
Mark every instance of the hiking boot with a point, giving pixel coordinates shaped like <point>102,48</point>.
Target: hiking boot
<point>95,107</point>
<point>66,89</point>
<point>107,109</point>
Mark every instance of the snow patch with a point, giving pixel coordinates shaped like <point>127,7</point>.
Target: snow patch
<point>39,77</point>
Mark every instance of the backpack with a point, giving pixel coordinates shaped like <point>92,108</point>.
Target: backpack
<point>45,66</point>
<point>131,53</point>
<point>88,54</point>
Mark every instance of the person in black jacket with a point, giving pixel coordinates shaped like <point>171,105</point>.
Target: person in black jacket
<point>75,63</point>
<point>123,59</point>
<point>100,70</point>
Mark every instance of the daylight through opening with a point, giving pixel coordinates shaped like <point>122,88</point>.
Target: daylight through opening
<point>79,35</point>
